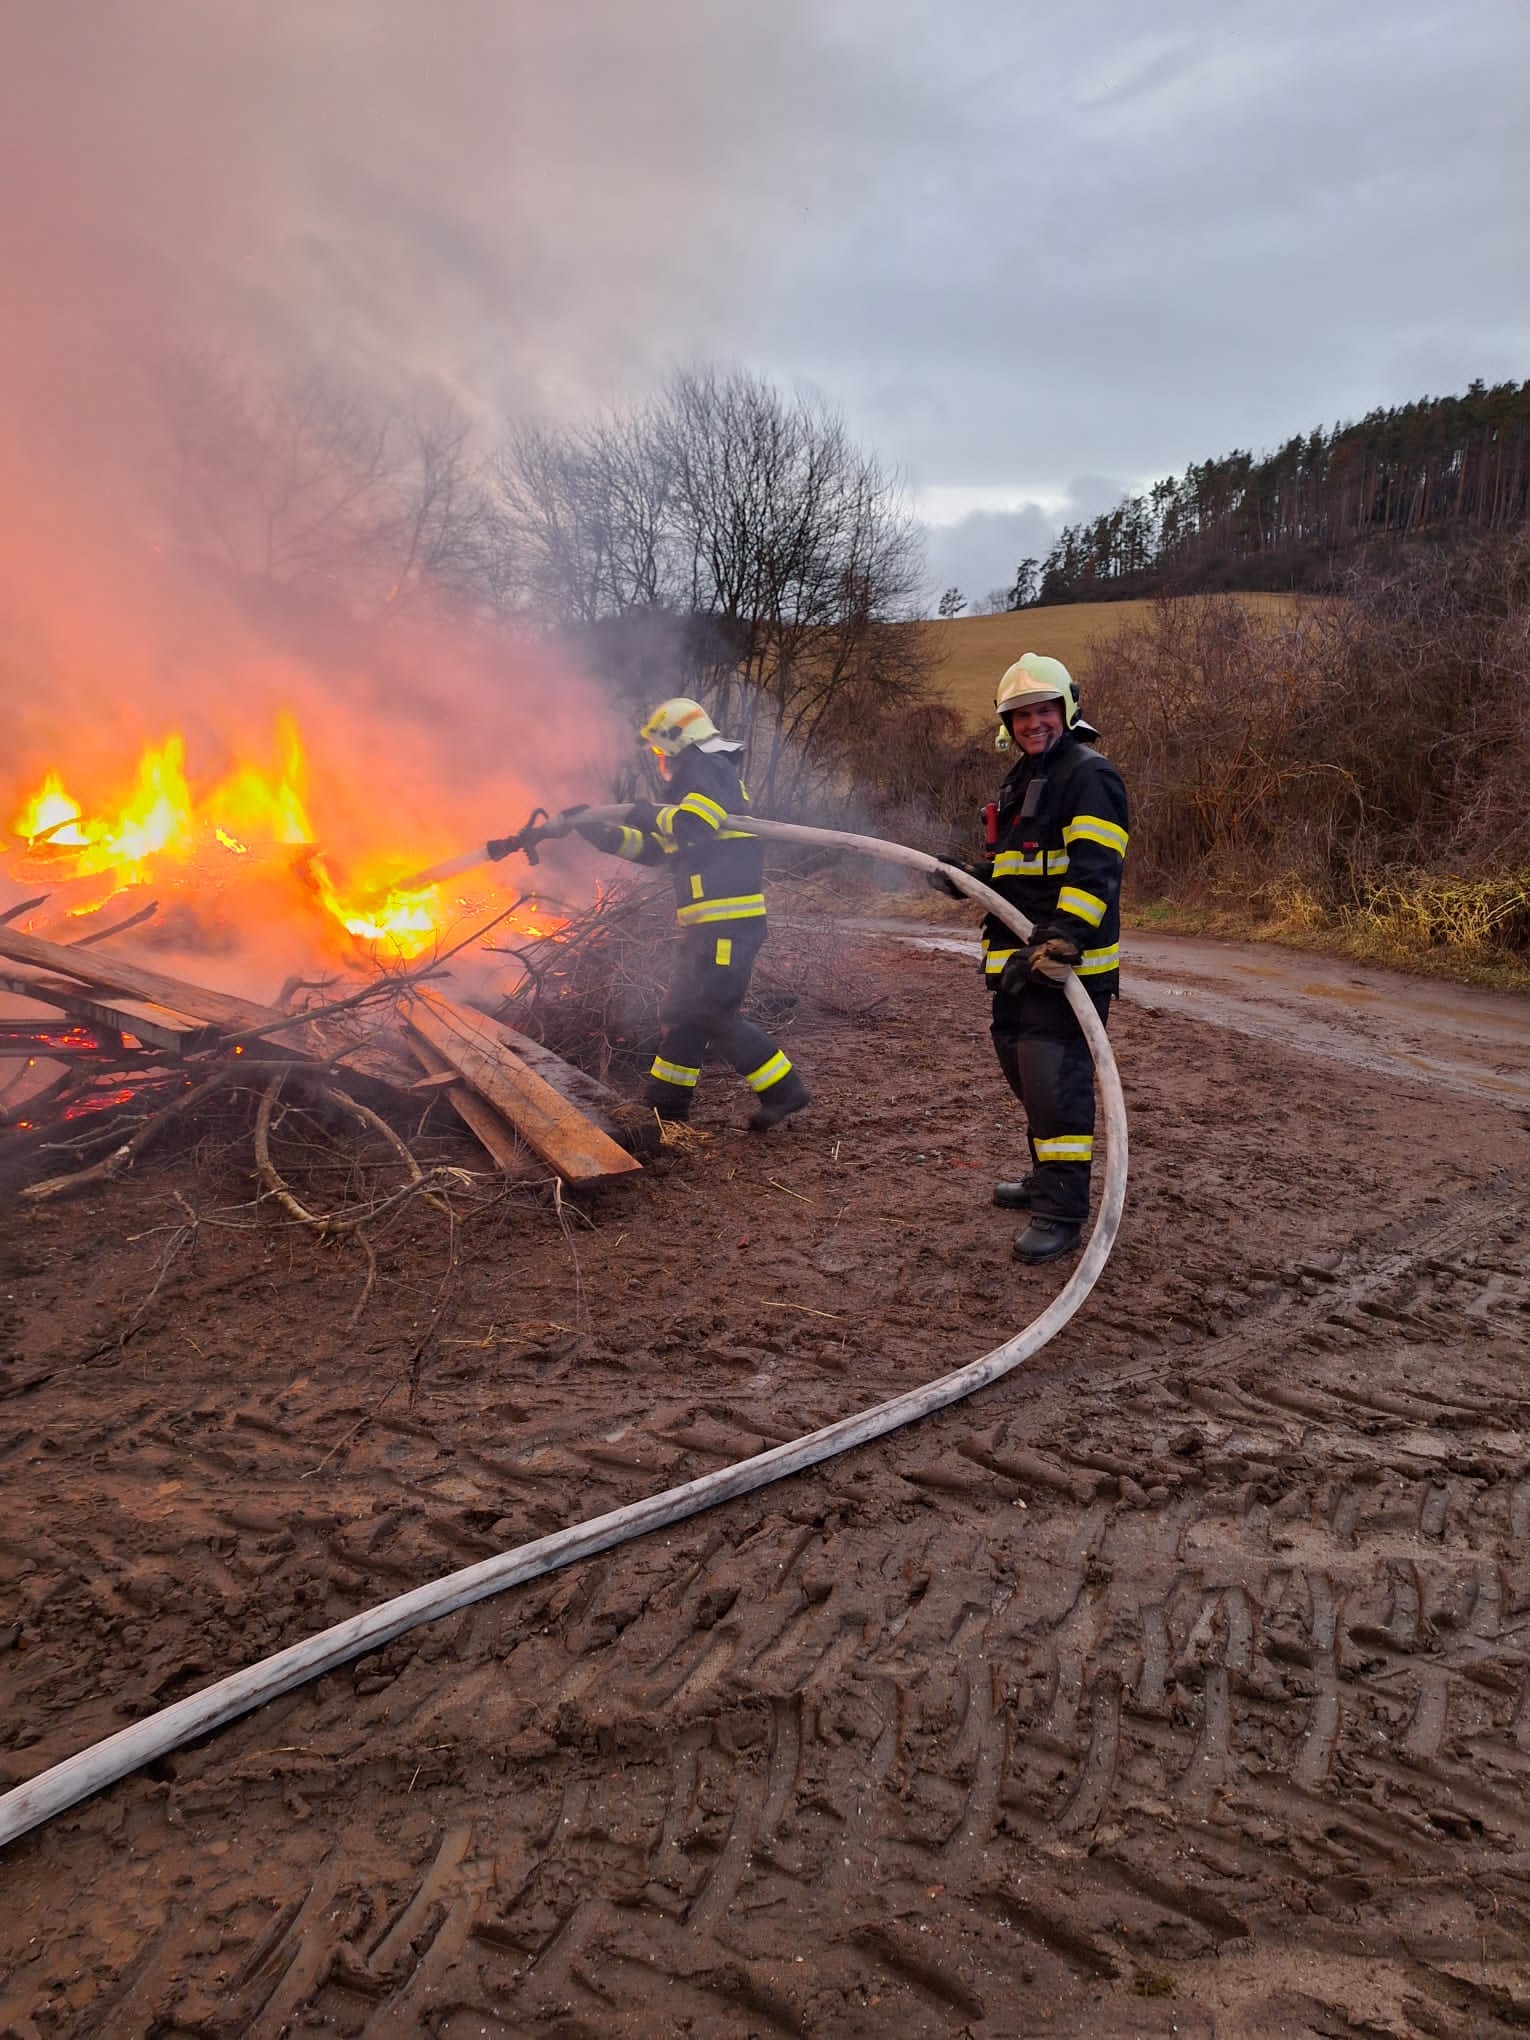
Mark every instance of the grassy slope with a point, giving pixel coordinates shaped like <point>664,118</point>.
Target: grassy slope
<point>974,650</point>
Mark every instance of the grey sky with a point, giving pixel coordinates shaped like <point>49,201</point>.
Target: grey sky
<point>1036,253</point>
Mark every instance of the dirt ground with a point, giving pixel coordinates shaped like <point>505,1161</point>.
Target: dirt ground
<point>1178,1684</point>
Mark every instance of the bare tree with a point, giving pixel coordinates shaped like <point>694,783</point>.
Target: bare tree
<point>307,486</point>
<point>743,532</point>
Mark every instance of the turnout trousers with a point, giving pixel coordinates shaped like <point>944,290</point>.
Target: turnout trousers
<point>701,1014</point>
<point>1047,1064</point>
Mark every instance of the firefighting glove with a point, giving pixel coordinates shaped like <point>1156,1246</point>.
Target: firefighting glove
<point>605,836</point>
<point>1052,958</point>
<point>643,815</point>
<point>940,880</point>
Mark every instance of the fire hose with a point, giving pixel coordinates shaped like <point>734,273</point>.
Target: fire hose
<point>91,1770</point>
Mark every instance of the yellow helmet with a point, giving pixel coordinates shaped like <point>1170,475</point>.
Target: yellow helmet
<point>675,724</point>
<point>1035,677</point>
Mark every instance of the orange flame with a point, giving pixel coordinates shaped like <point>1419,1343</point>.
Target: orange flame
<point>165,832</point>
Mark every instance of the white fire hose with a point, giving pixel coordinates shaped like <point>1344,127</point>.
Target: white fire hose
<point>28,1805</point>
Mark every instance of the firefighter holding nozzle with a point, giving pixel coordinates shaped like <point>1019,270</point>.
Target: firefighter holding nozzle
<point>1056,842</point>
<point>718,874</point>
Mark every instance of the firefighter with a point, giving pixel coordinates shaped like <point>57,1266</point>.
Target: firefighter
<point>1057,843</point>
<point>717,873</point>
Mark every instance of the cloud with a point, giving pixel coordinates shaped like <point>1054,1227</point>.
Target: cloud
<point>979,550</point>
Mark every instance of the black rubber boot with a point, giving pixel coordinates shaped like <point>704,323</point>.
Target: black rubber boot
<point>780,1102</point>
<point>670,1101</point>
<point>1045,1238</point>
<point>1014,1196</point>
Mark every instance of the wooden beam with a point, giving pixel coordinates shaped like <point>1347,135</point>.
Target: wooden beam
<point>476,1114</point>
<point>559,1131</point>
<point>105,970</point>
<point>180,1034</point>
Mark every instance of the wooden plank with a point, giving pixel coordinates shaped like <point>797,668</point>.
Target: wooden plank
<point>476,1113</point>
<point>559,1131</point>
<point>597,1101</point>
<point>178,1033</point>
<point>104,970</point>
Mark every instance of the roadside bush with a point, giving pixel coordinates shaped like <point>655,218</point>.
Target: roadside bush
<point>1364,759</point>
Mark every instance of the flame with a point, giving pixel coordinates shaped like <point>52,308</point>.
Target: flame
<point>53,814</point>
<point>166,832</point>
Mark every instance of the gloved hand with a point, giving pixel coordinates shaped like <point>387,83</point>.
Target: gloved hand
<point>1052,958</point>
<point>942,882</point>
<point>601,836</point>
<point>643,815</point>
<point>1046,961</point>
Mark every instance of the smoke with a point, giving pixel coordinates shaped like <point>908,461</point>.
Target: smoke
<point>444,214</point>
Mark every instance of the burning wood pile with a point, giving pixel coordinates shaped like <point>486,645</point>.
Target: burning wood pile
<point>116,1053</point>
<point>102,1056</point>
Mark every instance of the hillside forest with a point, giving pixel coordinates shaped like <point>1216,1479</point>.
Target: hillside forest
<point>1441,468</point>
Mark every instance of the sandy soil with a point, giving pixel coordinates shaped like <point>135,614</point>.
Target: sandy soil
<point>1180,1684</point>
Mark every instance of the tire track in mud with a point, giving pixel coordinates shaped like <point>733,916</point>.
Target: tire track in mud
<point>904,1746</point>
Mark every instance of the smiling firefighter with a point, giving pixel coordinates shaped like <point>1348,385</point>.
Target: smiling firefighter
<point>1056,841</point>
<point>717,873</point>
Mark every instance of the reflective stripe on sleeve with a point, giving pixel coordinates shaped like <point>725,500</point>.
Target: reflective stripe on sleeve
<point>705,810</point>
<point>1095,829</point>
<point>631,845</point>
<point>664,821</point>
<point>748,907</point>
<point>1066,1147</point>
<point>996,959</point>
<point>1095,962</point>
<point>674,1073</point>
<point>1084,906</point>
<point>769,1073</point>
<point>1016,864</point>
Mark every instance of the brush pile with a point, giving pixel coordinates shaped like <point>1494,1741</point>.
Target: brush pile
<point>102,1057</point>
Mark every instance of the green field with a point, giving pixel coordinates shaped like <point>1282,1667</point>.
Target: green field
<point>974,650</point>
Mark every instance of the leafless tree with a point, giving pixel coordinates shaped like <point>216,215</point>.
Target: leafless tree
<point>745,533</point>
<point>305,485</point>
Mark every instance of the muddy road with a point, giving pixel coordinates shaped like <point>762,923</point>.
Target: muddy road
<point>1178,1684</point>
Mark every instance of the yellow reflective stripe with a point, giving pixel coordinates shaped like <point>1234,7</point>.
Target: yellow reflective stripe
<point>704,810</point>
<point>725,949</point>
<point>769,1073</point>
<point>1015,864</point>
<point>735,835</point>
<point>1087,906</point>
<point>748,908</point>
<point>1095,829</point>
<point>1066,1147</point>
<point>1095,961</point>
<point>631,844</point>
<point>996,960</point>
<point>698,891</point>
<point>664,821</point>
<point>674,1073</point>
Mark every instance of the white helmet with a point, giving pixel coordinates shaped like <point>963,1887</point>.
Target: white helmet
<point>675,724</point>
<point>1035,677</point>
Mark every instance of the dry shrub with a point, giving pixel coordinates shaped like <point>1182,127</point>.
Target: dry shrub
<point>1341,760</point>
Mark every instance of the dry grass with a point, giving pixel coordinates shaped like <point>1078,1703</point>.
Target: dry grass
<point>972,651</point>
